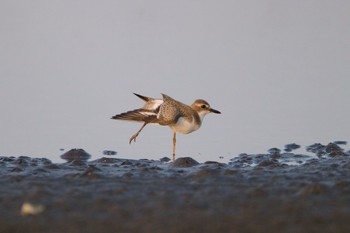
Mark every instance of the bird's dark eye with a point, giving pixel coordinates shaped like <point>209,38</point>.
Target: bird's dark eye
<point>203,106</point>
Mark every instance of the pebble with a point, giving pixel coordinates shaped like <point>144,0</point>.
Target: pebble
<point>290,147</point>
<point>31,209</point>
<point>185,162</point>
<point>109,152</point>
<point>76,154</point>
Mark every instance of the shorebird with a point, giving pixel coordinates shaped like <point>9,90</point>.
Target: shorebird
<point>179,117</point>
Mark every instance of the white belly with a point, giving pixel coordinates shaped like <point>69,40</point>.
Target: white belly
<point>184,126</point>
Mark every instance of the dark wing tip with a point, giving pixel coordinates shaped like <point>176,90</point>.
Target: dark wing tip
<point>144,98</point>
<point>115,117</point>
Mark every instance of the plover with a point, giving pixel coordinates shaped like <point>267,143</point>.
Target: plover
<point>179,117</point>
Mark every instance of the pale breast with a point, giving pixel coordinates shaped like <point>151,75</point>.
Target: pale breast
<point>185,126</point>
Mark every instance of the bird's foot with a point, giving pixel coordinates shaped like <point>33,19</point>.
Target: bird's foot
<point>133,138</point>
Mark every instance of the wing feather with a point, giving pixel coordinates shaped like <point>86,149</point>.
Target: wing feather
<point>148,113</point>
<point>138,115</point>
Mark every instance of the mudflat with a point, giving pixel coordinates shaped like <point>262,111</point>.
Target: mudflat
<point>272,192</point>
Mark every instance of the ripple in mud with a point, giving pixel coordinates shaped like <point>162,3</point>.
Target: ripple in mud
<point>273,159</point>
<point>105,160</point>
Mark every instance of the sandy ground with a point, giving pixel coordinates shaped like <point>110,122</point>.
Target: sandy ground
<point>274,192</point>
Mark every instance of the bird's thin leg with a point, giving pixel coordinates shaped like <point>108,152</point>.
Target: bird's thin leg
<point>174,145</point>
<point>137,133</point>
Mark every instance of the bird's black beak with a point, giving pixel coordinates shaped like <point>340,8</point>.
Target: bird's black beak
<point>215,111</point>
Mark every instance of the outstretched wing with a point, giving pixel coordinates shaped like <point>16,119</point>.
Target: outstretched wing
<point>138,115</point>
<point>148,113</point>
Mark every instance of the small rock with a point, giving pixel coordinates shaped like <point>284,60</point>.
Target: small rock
<point>109,152</point>
<point>340,142</point>
<point>214,163</point>
<point>331,147</point>
<point>21,161</point>
<point>317,148</point>
<point>269,163</point>
<point>185,162</point>
<point>334,150</point>
<point>76,154</point>
<point>164,159</point>
<point>274,151</point>
<point>291,146</point>
<point>31,209</point>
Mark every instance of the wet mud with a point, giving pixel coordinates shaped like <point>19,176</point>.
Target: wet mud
<point>278,191</point>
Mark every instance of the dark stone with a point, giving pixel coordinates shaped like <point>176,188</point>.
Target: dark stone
<point>334,150</point>
<point>269,163</point>
<point>214,163</point>
<point>291,146</point>
<point>21,161</point>
<point>317,148</point>
<point>164,159</point>
<point>332,147</point>
<point>340,142</point>
<point>109,152</point>
<point>185,162</point>
<point>274,151</point>
<point>76,154</point>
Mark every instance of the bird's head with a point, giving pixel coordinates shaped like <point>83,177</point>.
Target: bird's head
<point>202,107</point>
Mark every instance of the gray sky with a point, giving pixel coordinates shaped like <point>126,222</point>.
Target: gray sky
<point>278,70</point>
